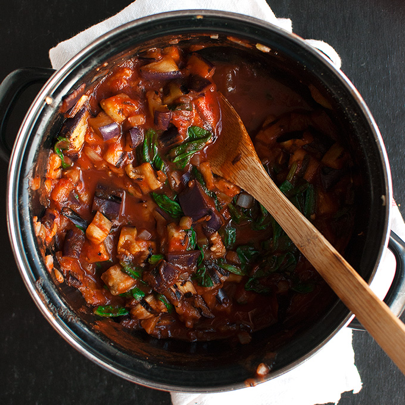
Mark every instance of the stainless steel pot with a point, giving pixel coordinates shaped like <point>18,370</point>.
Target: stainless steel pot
<point>173,365</point>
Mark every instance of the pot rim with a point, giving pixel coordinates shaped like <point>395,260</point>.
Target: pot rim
<point>13,221</point>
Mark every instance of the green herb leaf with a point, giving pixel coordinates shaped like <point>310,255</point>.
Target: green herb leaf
<point>229,237</point>
<point>310,200</point>
<point>134,273</point>
<point>253,284</point>
<point>192,239</point>
<point>148,150</point>
<point>276,263</point>
<point>61,145</point>
<point>196,140</point>
<point>110,311</point>
<point>247,254</point>
<point>165,301</point>
<point>199,177</point>
<point>286,187</point>
<point>231,268</point>
<point>201,257</point>
<point>155,259</point>
<point>202,277</point>
<point>137,293</point>
<point>303,288</point>
<point>166,204</point>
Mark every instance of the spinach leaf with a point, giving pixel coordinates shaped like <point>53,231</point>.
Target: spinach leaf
<point>303,288</point>
<point>276,263</point>
<point>155,259</point>
<point>253,284</point>
<point>310,200</point>
<point>247,254</point>
<point>110,311</point>
<point>165,301</point>
<point>128,269</point>
<point>148,150</point>
<point>199,177</point>
<point>61,145</point>
<point>231,268</point>
<point>192,239</point>
<point>196,140</point>
<point>202,277</point>
<point>229,237</point>
<point>137,293</point>
<point>166,204</point>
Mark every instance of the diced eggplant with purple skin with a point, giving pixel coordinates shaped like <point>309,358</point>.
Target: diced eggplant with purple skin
<point>145,304</point>
<point>75,218</point>
<point>287,136</point>
<point>185,260</point>
<point>185,178</point>
<point>212,271</point>
<point>74,129</point>
<point>107,200</point>
<point>320,145</point>
<point>163,69</point>
<point>163,276</point>
<point>214,223</point>
<point>170,137</point>
<point>48,219</point>
<point>221,296</point>
<point>162,119</point>
<point>193,201</point>
<point>109,208</point>
<point>73,244</point>
<point>329,176</point>
<point>200,304</point>
<point>136,135</point>
<point>198,83</point>
<point>71,99</point>
<point>109,131</point>
<point>107,192</point>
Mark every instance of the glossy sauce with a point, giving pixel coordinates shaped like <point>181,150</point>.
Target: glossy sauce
<point>243,274</point>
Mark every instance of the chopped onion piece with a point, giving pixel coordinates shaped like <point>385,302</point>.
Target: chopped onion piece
<point>144,235</point>
<point>92,154</point>
<point>244,200</point>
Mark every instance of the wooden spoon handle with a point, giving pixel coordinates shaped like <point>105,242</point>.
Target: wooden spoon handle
<point>374,314</point>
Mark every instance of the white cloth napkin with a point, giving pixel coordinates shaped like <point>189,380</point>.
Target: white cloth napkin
<point>331,371</point>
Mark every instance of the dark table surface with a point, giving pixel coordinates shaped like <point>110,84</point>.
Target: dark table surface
<point>36,365</point>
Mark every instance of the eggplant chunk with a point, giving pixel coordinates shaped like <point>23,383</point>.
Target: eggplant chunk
<point>73,244</point>
<point>75,218</point>
<point>144,176</point>
<point>130,244</point>
<point>111,209</point>
<point>161,277</point>
<point>194,201</point>
<point>99,228</point>
<point>117,281</point>
<point>74,129</point>
<point>120,107</point>
<point>185,260</point>
<point>170,137</point>
<point>165,68</point>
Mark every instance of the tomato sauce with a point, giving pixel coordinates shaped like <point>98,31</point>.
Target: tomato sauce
<point>150,236</point>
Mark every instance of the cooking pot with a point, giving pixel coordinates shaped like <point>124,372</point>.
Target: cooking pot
<point>198,366</point>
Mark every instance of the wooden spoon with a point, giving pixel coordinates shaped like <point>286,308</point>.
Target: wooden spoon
<point>233,157</point>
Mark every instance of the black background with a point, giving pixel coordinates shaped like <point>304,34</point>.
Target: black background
<point>36,365</point>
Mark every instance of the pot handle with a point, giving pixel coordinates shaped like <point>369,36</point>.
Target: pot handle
<point>395,297</point>
<point>10,90</point>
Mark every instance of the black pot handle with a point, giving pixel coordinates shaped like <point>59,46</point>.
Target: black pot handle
<point>10,90</point>
<point>395,297</point>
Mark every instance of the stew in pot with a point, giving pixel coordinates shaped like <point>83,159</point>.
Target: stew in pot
<point>137,222</point>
